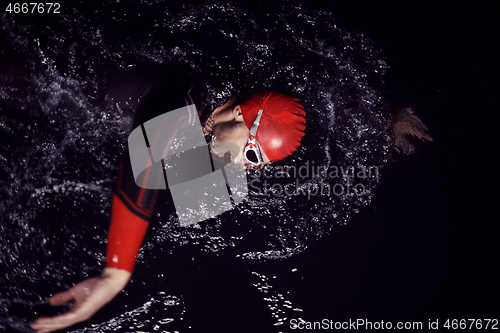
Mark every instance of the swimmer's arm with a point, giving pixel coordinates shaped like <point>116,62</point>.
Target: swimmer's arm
<point>124,240</point>
<point>90,295</point>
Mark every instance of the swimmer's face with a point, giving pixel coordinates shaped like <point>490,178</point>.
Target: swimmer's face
<point>230,127</point>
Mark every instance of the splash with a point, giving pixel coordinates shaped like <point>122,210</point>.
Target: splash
<point>282,309</point>
<point>139,319</point>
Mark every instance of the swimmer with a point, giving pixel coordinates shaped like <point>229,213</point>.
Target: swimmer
<point>266,126</point>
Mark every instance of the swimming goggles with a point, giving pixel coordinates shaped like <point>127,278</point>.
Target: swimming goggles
<point>252,151</point>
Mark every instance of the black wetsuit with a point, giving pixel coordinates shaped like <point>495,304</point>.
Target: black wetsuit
<point>150,93</point>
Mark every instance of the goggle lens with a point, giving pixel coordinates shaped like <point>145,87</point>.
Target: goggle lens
<point>252,157</point>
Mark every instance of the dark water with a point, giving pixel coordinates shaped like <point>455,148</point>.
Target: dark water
<point>273,259</point>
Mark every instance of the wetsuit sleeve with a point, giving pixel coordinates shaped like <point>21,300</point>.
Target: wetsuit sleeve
<point>132,209</point>
<point>133,206</point>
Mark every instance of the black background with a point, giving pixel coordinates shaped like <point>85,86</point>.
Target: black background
<point>425,249</point>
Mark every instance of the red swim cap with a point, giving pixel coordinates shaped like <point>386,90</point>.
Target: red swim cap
<point>282,123</point>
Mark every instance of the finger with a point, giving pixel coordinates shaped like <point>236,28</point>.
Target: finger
<point>44,330</point>
<point>62,297</point>
<point>49,324</point>
<point>80,312</point>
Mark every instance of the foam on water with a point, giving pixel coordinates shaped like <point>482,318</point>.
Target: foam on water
<point>162,306</point>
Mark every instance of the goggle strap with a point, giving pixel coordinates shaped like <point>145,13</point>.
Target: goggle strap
<point>255,126</point>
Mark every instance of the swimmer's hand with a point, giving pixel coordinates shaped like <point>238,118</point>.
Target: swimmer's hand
<point>89,295</point>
